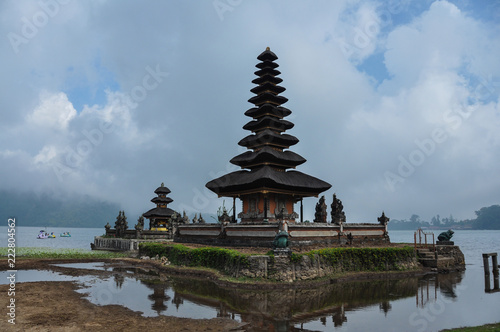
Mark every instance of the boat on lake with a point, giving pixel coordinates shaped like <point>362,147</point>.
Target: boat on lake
<point>42,235</point>
<point>65,234</point>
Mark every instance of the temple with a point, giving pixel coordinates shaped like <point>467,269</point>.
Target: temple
<point>161,214</point>
<point>266,186</point>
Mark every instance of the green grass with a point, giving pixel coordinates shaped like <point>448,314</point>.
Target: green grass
<point>61,253</point>
<point>483,328</point>
<point>210,257</point>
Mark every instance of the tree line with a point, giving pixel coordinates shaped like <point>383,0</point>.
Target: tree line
<point>486,218</point>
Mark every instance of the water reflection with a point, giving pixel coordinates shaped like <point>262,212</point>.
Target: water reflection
<point>403,304</point>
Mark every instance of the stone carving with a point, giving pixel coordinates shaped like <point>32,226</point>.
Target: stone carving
<point>195,219</point>
<point>201,220</point>
<point>140,224</point>
<point>320,214</point>
<point>350,238</point>
<point>383,220</point>
<point>222,214</point>
<point>121,224</point>
<point>338,215</point>
<point>107,227</point>
<point>185,219</point>
<point>446,236</point>
<point>281,214</point>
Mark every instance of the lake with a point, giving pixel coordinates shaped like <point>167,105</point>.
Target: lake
<point>427,303</point>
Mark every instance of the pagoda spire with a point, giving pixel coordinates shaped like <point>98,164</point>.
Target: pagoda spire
<point>265,183</point>
<point>267,140</point>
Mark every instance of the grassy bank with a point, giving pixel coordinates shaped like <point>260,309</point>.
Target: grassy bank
<point>59,253</point>
<point>210,257</point>
<point>483,328</point>
<point>341,260</point>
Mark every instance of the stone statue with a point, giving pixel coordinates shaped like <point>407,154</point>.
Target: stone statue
<point>121,224</point>
<point>222,215</point>
<point>107,227</point>
<point>281,214</point>
<point>201,220</point>
<point>383,220</point>
<point>446,236</point>
<point>195,219</point>
<point>140,224</point>
<point>185,218</point>
<point>320,214</point>
<point>338,215</point>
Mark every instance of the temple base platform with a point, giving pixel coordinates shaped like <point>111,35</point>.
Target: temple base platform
<point>303,235</point>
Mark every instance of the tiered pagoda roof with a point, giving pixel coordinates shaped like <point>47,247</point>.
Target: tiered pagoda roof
<point>266,167</point>
<point>161,210</point>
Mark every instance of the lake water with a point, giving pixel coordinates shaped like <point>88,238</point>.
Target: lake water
<point>428,303</point>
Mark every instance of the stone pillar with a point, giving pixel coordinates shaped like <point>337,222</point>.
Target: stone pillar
<point>301,211</point>
<point>265,208</point>
<point>234,209</point>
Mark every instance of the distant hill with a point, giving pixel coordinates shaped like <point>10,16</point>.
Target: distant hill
<point>486,218</point>
<point>43,210</point>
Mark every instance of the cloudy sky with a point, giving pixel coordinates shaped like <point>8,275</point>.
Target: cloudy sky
<point>395,103</point>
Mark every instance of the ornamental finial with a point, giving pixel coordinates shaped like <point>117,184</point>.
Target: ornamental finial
<point>268,49</point>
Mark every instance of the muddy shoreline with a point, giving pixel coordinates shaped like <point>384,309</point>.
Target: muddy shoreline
<point>56,306</point>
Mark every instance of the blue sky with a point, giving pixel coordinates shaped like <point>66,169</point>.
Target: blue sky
<point>395,103</point>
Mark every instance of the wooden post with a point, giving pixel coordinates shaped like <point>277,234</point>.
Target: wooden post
<point>494,260</point>
<point>486,264</point>
<point>487,283</point>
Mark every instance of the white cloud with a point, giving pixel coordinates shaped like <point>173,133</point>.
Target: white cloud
<point>54,111</point>
<point>186,129</point>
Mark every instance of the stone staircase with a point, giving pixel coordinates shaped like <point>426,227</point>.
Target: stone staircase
<point>429,258</point>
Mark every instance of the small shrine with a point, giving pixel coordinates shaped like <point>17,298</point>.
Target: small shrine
<point>160,216</point>
<point>266,186</point>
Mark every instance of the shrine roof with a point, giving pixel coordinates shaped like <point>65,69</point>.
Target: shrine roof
<point>165,200</point>
<point>158,213</point>
<point>268,137</point>
<point>267,179</point>
<point>268,155</point>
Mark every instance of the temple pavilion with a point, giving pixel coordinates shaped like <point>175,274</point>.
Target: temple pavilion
<point>159,216</point>
<point>267,185</point>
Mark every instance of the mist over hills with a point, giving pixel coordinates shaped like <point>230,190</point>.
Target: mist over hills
<point>44,210</point>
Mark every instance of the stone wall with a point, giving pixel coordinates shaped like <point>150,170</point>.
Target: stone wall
<point>453,252</point>
<point>304,235</point>
<point>282,268</point>
<point>141,234</point>
<point>118,244</point>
